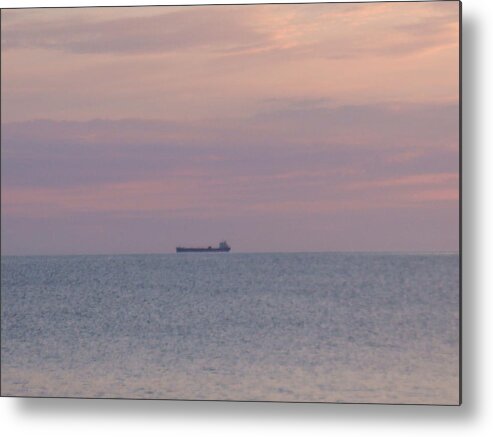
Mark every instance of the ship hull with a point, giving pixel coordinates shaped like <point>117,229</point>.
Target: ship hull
<point>199,249</point>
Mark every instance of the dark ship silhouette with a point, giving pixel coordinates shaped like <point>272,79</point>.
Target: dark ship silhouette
<point>223,247</point>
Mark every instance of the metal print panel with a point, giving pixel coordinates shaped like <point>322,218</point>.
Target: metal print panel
<point>235,202</point>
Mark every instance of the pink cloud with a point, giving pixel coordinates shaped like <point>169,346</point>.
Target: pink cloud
<point>163,196</point>
<point>432,179</point>
<point>437,195</point>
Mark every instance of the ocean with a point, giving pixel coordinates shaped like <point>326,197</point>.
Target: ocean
<point>304,327</point>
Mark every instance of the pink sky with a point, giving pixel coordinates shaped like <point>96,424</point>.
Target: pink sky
<point>279,127</point>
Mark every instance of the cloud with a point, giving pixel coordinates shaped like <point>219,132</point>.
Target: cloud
<point>223,61</point>
<point>395,30</point>
<point>347,140</point>
<point>424,179</point>
<point>334,31</point>
<point>381,125</point>
<point>176,30</point>
<point>295,103</point>
<point>292,162</point>
<point>200,196</point>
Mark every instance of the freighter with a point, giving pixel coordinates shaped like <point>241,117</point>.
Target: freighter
<point>223,247</point>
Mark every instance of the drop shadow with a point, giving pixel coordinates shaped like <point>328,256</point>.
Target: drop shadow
<point>236,411</point>
<point>470,211</point>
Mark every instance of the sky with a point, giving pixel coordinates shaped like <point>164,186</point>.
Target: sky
<point>281,128</point>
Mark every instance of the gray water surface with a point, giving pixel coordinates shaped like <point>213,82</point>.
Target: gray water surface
<point>330,327</point>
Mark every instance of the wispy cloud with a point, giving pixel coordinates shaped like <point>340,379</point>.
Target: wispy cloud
<point>303,161</point>
<point>425,179</point>
<point>176,30</point>
<point>379,140</point>
<point>337,31</point>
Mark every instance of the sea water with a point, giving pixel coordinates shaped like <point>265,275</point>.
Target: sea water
<point>320,327</point>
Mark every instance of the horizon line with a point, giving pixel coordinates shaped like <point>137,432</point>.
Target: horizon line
<point>383,252</point>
